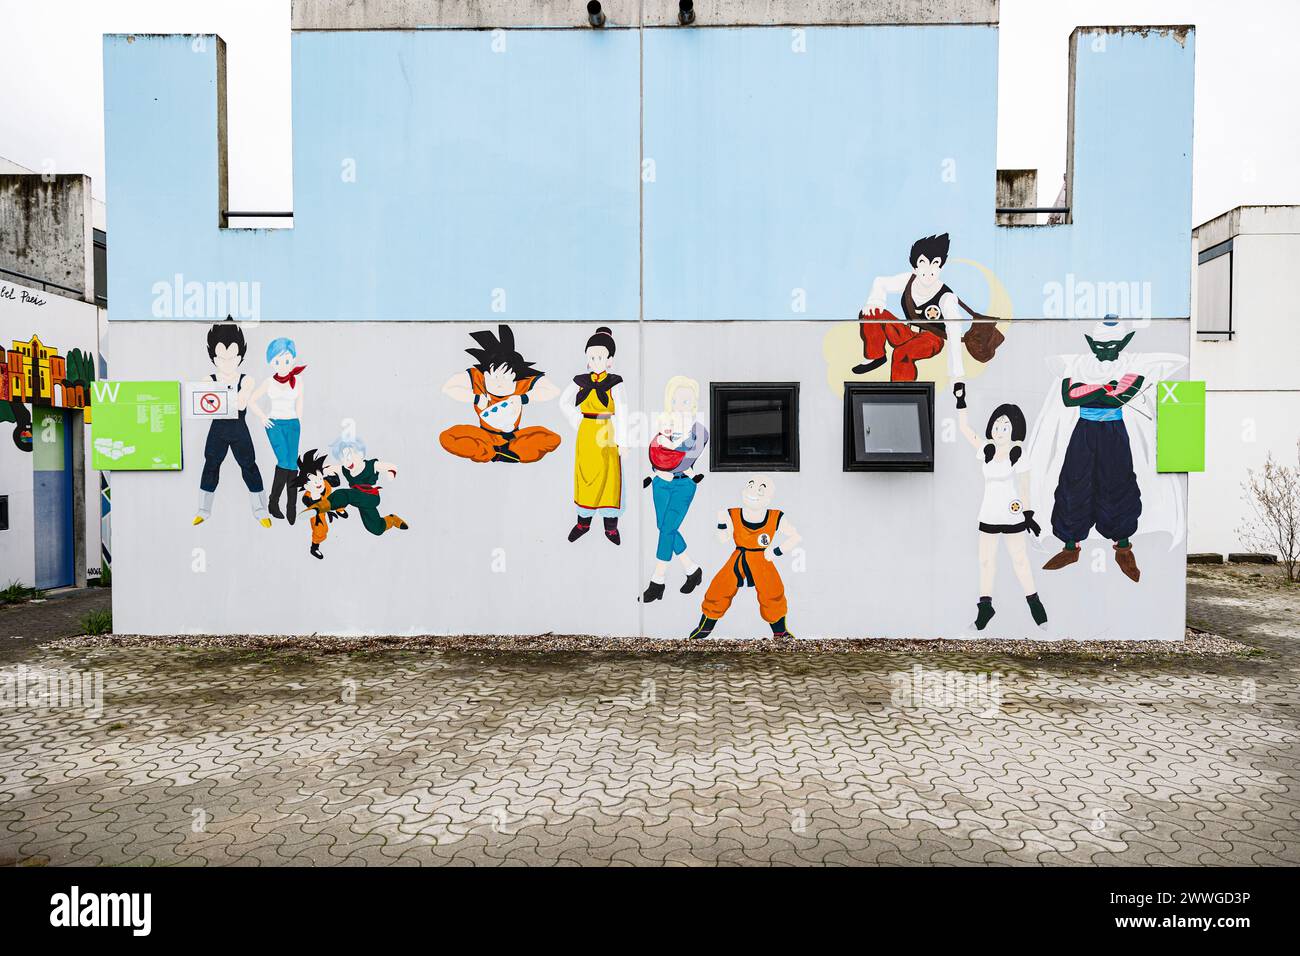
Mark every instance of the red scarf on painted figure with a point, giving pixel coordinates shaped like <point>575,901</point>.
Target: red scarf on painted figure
<point>292,378</point>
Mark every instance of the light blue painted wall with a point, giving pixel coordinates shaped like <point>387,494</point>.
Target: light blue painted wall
<point>779,170</point>
<point>475,170</point>
<point>518,170</point>
<point>1132,206</point>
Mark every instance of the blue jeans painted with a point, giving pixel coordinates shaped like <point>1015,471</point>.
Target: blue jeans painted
<point>672,501</point>
<point>284,434</point>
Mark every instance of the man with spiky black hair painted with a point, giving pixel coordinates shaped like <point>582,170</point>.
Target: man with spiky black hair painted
<point>226,351</point>
<point>316,497</point>
<point>932,313</point>
<point>499,384</point>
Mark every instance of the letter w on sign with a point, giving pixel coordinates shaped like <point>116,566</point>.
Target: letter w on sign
<point>105,391</point>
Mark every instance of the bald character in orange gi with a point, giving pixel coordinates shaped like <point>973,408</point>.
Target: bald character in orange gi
<point>752,529</point>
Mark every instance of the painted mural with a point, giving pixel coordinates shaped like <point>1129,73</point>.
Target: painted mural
<point>17,413</point>
<point>735,282</point>
<point>934,319</point>
<point>884,346</point>
<point>36,374</point>
<point>226,350</point>
<point>1093,447</point>
<point>752,530</point>
<point>348,461</point>
<point>282,421</point>
<point>47,474</point>
<point>1005,514</point>
<point>675,449</point>
<point>499,385</point>
<point>313,481</point>
<point>331,484</point>
<point>592,403</point>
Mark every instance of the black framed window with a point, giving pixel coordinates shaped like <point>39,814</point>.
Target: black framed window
<point>889,426</point>
<point>754,426</point>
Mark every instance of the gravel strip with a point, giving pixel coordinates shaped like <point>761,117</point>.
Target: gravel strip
<point>1196,644</point>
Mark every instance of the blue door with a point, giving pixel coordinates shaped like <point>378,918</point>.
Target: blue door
<point>52,497</point>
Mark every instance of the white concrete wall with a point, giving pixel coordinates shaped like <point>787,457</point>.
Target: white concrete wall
<point>884,555</point>
<point>1253,383</point>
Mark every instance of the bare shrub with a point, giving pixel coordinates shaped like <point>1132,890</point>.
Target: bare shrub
<point>1273,494</point>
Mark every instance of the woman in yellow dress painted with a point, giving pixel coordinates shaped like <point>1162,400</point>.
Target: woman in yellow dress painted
<point>592,403</point>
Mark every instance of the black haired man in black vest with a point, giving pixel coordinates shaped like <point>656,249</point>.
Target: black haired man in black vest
<point>931,313</point>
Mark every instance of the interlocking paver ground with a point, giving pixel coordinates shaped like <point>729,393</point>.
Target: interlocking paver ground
<point>260,757</point>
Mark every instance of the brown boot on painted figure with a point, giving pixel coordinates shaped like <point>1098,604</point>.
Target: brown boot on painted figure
<point>1127,563</point>
<point>1062,559</point>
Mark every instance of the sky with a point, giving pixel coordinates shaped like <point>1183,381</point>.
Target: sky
<point>1247,139</point>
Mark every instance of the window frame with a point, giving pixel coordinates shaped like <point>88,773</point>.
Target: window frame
<point>719,393</point>
<point>1209,255</point>
<point>922,461</point>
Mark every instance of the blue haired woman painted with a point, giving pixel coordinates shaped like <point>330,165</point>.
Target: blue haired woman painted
<point>283,422</point>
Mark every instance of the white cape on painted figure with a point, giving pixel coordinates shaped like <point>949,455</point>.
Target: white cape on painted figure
<point>1164,505</point>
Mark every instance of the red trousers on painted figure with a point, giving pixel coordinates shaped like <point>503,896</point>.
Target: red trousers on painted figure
<point>909,345</point>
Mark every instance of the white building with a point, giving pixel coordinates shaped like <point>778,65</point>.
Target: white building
<point>53,507</point>
<point>732,213</point>
<point>1247,323</point>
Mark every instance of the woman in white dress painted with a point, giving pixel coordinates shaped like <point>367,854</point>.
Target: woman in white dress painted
<point>1004,513</point>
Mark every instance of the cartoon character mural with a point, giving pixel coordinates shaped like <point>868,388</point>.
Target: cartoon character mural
<point>316,491</point>
<point>349,461</point>
<point>752,529</point>
<point>1004,512</point>
<point>499,384</point>
<point>17,413</point>
<point>283,423</point>
<point>226,351</point>
<point>675,451</point>
<point>592,403</point>
<point>932,313</point>
<point>1099,460</point>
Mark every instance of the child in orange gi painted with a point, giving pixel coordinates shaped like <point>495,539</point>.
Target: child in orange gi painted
<point>752,529</point>
<point>499,385</point>
<point>316,498</point>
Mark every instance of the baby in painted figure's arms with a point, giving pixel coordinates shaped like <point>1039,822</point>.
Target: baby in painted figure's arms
<point>666,452</point>
<point>668,449</point>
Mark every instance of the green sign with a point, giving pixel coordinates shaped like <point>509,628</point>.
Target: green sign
<point>48,440</point>
<point>136,426</point>
<point>1180,426</point>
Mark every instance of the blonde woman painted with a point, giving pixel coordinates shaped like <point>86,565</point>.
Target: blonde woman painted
<point>675,452</point>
